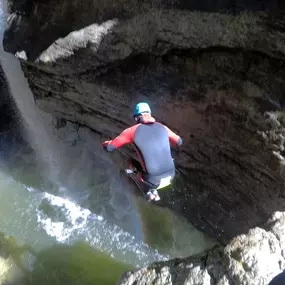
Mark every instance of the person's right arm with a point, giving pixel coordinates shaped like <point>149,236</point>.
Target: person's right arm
<point>125,137</point>
<point>174,139</point>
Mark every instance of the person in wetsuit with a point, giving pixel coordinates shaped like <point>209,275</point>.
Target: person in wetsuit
<point>152,141</point>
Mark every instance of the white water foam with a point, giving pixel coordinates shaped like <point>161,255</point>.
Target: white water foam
<point>77,218</point>
<point>77,223</point>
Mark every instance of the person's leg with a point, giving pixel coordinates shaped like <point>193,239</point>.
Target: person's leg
<point>149,188</point>
<point>146,187</point>
<point>134,165</point>
<point>153,184</point>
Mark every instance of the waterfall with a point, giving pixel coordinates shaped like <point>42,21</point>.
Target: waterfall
<point>37,125</point>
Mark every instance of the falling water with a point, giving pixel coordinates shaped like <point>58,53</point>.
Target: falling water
<point>37,124</point>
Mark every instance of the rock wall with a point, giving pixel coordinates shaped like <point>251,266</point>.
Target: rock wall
<point>36,24</point>
<point>216,78</point>
<point>7,107</point>
<point>211,77</point>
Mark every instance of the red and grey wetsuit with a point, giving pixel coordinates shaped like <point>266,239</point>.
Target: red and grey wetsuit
<point>152,141</point>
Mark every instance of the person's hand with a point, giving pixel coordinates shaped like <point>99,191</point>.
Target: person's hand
<point>104,145</point>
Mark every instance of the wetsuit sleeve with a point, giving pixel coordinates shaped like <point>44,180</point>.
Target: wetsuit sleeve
<point>125,137</point>
<point>174,139</point>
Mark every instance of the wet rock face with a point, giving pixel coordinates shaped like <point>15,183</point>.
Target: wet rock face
<point>210,77</point>
<point>8,113</point>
